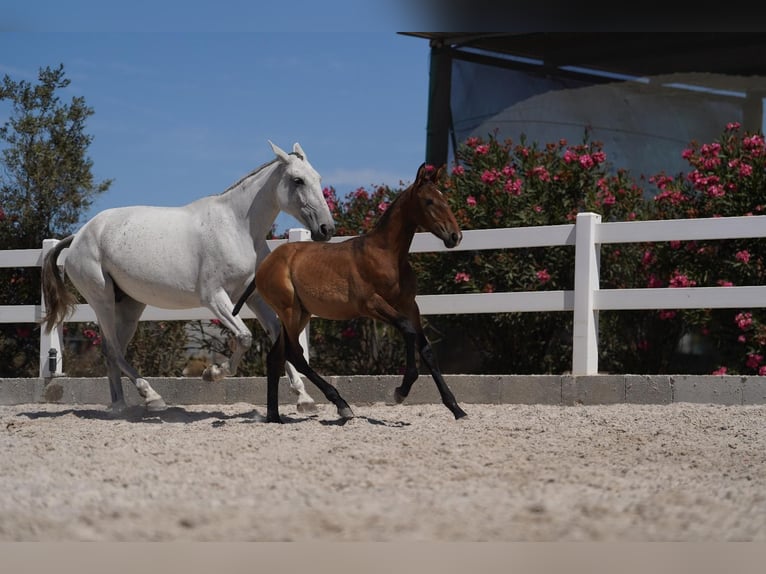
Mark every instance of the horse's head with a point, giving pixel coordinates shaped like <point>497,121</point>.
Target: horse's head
<point>434,213</point>
<point>300,193</point>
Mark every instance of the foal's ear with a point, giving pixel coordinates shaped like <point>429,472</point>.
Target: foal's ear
<point>422,173</point>
<point>280,153</point>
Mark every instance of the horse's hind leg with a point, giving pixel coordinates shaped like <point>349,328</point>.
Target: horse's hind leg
<point>271,324</point>
<point>127,314</point>
<point>118,322</point>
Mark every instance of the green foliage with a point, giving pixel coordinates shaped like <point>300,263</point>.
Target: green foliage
<point>45,184</point>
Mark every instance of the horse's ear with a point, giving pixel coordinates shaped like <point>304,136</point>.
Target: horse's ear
<point>440,172</point>
<point>297,149</point>
<point>280,153</point>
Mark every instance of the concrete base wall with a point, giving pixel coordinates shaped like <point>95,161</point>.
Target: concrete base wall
<point>366,389</point>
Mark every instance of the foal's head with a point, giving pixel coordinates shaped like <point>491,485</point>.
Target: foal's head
<point>433,213</point>
<point>300,193</point>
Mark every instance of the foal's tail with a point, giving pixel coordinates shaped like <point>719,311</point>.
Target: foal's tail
<point>59,302</point>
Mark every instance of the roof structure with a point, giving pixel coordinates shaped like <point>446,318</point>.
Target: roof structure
<point>725,62</point>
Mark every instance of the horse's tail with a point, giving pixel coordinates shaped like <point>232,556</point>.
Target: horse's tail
<point>59,302</point>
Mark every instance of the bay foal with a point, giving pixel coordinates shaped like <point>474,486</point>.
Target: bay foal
<point>365,276</point>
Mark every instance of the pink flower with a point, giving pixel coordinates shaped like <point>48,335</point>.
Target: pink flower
<point>471,200</point>
<point>348,333</point>
<point>513,186</point>
<point>461,277</point>
<point>742,339</point>
<point>743,320</point>
<point>570,156</point>
<point>720,371</point>
<point>680,280</point>
<point>753,360</point>
<point>724,283</point>
<point>743,256</point>
<point>382,207</point>
<point>543,276</point>
<point>541,173</point>
<point>732,126</point>
<point>586,161</point>
<point>762,370</point>
<point>482,149</point>
<point>472,142</point>
<point>489,176</point>
<point>665,314</point>
<point>647,259</point>
<point>458,170</point>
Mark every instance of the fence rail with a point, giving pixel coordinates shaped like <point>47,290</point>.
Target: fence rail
<point>584,301</point>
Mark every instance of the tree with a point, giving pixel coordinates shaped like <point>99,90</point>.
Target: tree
<point>46,184</point>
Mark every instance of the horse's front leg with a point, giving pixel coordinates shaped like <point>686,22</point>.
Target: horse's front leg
<point>222,308</point>
<point>270,322</point>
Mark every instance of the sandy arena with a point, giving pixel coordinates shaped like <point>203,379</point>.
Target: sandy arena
<point>626,472</point>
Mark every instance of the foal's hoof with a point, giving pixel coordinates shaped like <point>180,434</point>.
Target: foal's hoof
<point>459,413</point>
<point>346,413</point>
<point>156,405</point>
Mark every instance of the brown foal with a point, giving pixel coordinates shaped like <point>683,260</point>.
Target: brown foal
<point>365,276</point>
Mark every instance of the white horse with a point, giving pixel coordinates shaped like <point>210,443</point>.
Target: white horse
<point>202,254</point>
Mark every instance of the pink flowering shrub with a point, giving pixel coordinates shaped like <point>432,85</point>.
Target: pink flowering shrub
<point>726,178</point>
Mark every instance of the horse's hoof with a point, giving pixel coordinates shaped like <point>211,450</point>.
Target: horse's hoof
<point>346,413</point>
<point>213,374</point>
<point>274,419</point>
<point>118,407</point>
<point>399,397</point>
<point>307,407</point>
<point>156,405</point>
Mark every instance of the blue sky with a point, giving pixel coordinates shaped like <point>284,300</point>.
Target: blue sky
<point>183,111</point>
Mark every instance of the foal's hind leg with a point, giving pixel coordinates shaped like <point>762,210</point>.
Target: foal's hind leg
<point>297,320</point>
<point>270,322</point>
<point>294,354</point>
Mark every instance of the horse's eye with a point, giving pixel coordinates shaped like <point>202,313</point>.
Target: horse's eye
<point>298,180</point>
<point>429,201</point>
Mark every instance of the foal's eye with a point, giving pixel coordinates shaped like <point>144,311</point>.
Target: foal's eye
<point>298,180</point>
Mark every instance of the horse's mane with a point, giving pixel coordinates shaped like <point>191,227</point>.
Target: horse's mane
<point>251,174</point>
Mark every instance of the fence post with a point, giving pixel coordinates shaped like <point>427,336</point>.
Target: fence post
<point>293,235</point>
<point>585,324</point>
<point>50,342</point>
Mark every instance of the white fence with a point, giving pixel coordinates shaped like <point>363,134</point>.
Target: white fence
<point>585,301</point>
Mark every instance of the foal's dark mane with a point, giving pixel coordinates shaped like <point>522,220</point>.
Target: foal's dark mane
<point>387,213</point>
